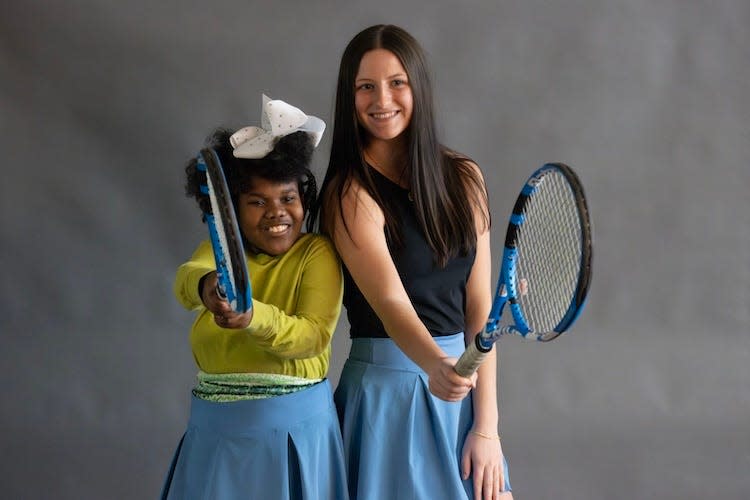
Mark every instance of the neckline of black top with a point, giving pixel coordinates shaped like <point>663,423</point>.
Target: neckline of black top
<point>393,183</point>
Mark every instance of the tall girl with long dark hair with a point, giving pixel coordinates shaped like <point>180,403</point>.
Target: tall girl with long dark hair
<point>410,219</point>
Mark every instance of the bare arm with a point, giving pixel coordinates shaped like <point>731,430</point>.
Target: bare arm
<point>482,456</point>
<point>478,304</point>
<point>364,250</point>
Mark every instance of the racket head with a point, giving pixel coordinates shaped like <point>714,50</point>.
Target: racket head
<point>226,238</point>
<point>549,244</point>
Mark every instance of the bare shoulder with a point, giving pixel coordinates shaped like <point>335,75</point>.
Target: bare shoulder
<point>357,222</point>
<point>357,202</point>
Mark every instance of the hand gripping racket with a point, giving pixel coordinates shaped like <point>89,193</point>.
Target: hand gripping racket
<point>547,244</point>
<point>226,239</point>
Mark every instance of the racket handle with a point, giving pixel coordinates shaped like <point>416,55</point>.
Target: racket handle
<point>471,358</point>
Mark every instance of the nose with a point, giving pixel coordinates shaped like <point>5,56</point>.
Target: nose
<point>274,210</point>
<point>383,95</point>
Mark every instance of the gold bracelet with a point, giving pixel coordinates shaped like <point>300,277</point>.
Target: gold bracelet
<point>485,436</point>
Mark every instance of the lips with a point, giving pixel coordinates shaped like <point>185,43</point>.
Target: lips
<point>277,228</point>
<point>384,116</point>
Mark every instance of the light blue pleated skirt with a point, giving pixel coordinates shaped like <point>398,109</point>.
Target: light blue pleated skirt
<point>285,447</point>
<point>400,441</point>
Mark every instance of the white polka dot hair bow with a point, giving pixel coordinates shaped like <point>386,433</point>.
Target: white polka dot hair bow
<point>277,120</point>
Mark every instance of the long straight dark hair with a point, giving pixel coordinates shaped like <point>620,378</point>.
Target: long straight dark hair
<point>445,186</point>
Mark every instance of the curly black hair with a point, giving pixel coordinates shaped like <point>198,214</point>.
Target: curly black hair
<point>289,161</point>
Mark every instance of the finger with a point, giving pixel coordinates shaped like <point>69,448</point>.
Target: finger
<point>235,320</point>
<point>452,390</point>
<point>224,306</point>
<point>440,385</point>
<point>466,382</point>
<point>448,385</point>
<point>452,393</point>
<point>462,391</point>
<point>478,482</point>
<point>490,484</point>
<point>226,319</point>
<point>439,391</point>
<point>448,395</point>
<point>494,486</point>
<point>465,466</point>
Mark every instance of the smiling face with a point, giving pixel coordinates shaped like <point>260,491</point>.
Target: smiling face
<point>270,215</point>
<point>382,95</point>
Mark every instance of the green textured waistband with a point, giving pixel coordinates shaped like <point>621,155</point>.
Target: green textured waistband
<point>227,387</point>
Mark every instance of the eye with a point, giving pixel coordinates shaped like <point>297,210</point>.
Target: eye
<point>256,203</point>
<point>366,86</point>
<point>290,198</point>
<point>399,82</point>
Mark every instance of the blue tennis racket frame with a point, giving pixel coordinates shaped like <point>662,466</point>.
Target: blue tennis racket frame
<point>507,291</point>
<point>240,295</point>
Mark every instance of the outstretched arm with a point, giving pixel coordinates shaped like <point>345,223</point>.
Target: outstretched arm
<point>301,330</point>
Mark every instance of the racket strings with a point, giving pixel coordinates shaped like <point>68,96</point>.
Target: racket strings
<point>549,252</point>
<point>216,209</point>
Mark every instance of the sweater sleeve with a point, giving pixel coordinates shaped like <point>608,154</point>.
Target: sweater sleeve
<point>307,331</point>
<point>190,273</point>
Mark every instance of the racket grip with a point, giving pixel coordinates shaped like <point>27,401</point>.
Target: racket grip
<point>471,359</point>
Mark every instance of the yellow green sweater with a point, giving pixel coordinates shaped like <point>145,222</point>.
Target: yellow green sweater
<point>296,301</point>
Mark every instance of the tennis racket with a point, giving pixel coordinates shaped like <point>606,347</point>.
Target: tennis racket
<point>226,239</point>
<point>547,245</point>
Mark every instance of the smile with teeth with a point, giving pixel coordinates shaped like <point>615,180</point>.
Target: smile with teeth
<point>278,228</point>
<point>384,116</point>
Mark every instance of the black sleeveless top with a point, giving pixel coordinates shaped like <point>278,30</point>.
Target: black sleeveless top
<point>438,295</point>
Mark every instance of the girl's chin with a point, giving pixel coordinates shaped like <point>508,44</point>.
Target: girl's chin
<point>274,245</point>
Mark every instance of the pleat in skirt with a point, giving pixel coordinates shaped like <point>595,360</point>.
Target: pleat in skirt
<point>400,441</point>
<point>284,447</point>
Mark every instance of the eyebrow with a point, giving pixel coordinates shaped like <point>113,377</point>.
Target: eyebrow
<point>261,195</point>
<point>397,75</point>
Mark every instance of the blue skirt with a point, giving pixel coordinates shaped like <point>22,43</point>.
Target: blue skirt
<point>285,447</point>
<point>400,441</point>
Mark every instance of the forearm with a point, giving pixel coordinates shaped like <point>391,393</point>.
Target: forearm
<point>297,313</point>
<point>297,336</point>
<point>486,413</point>
<point>188,277</point>
<point>405,328</point>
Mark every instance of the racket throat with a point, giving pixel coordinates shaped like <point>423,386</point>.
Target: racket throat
<point>483,343</point>
<point>487,338</point>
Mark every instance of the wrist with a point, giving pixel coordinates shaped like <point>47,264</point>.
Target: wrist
<point>488,421</point>
<point>489,427</point>
<point>431,361</point>
<point>492,436</point>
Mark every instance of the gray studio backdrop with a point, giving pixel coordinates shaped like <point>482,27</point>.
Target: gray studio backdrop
<point>103,101</point>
